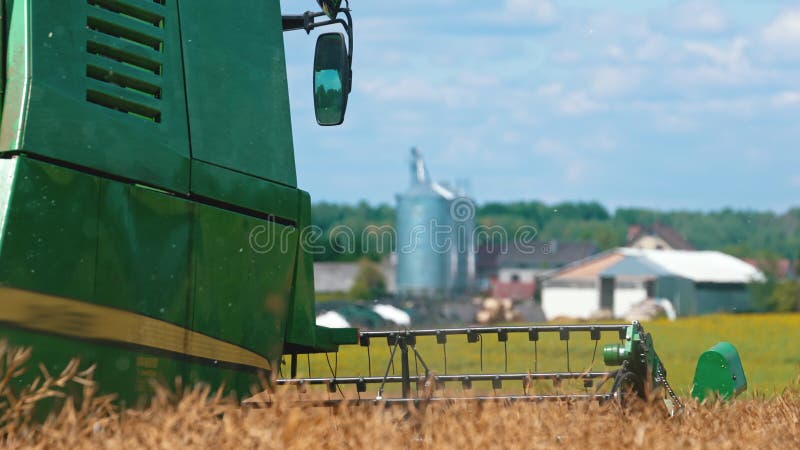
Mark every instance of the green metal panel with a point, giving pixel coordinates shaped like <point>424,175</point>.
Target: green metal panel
<point>238,97</point>
<point>301,324</point>
<point>719,372</point>
<point>302,333</point>
<point>245,191</point>
<point>99,83</point>
<point>143,252</point>
<point>49,241</point>
<point>241,289</point>
<point>50,244</point>
<point>122,371</point>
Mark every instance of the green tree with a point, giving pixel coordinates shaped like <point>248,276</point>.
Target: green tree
<point>786,296</point>
<point>369,283</point>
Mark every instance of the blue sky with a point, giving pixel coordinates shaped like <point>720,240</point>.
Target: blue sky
<point>662,104</point>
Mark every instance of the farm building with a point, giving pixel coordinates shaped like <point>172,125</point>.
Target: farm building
<point>656,237</point>
<point>513,270</point>
<point>695,282</point>
<point>339,277</point>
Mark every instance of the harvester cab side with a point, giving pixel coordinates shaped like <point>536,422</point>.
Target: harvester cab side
<point>150,217</point>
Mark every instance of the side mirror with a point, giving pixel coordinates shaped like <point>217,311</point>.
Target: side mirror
<point>331,79</point>
<point>330,7</point>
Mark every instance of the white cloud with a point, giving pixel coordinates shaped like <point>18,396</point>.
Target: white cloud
<point>711,65</point>
<point>614,81</point>
<point>781,37</point>
<point>567,56</point>
<point>615,52</point>
<point>543,12</point>
<point>786,98</point>
<point>574,165</point>
<point>577,104</point>
<point>550,90</point>
<point>732,57</point>
<point>696,17</point>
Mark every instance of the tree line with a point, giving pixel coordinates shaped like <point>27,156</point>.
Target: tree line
<point>742,233</point>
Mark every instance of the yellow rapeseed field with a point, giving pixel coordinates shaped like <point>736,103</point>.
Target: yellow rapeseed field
<point>200,418</point>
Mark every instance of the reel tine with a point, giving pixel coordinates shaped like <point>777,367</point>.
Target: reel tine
<point>533,336</point>
<point>497,383</point>
<point>594,334</point>
<point>563,334</point>
<point>502,336</point>
<point>363,341</point>
<point>441,338</point>
<point>473,337</point>
<point>369,362</point>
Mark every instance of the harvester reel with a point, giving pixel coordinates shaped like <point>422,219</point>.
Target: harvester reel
<point>639,372</point>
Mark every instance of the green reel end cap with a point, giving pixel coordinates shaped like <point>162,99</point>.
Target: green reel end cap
<point>719,373</point>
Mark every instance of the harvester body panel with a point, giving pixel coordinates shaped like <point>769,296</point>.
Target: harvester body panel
<point>148,204</point>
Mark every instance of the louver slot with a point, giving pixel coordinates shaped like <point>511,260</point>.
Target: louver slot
<point>122,80</point>
<point>126,57</point>
<point>139,13</point>
<point>122,32</point>
<point>122,105</point>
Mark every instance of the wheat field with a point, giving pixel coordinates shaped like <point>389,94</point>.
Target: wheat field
<point>767,417</point>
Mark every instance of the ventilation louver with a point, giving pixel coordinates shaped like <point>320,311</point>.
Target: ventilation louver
<point>125,56</point>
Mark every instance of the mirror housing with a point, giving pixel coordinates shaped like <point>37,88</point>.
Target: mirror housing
<point>330,7</point>
<point>331,79</point>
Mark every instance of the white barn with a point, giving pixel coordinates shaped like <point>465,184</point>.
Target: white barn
<point>696,282</point>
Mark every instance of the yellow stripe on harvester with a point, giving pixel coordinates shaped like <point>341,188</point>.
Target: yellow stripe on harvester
<point>41,312</point>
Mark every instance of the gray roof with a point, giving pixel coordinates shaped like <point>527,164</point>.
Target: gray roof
<point>541,254</point>
<point>334,276</point>
<point>340,276</point>
<point>634,266</point>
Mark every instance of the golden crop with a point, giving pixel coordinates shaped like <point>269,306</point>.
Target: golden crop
<point>200,418</point>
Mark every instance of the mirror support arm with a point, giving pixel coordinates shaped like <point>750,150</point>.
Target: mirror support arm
<point>303,21</point>
<point>306,22</point>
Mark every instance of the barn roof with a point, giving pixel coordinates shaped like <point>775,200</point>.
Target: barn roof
<point>698,266</point>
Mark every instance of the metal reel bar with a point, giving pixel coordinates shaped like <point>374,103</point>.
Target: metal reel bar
<point>405,341</point>
<point>420,402</point>
<point>450,378</point>
<point>532,331</point>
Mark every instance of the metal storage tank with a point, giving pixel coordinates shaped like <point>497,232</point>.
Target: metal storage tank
<point>435,252</point>
<point>462,214</point>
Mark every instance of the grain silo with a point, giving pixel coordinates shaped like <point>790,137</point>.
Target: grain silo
<point>435,251</point>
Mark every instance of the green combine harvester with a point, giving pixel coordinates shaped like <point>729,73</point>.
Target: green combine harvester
<point>150,219</point>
